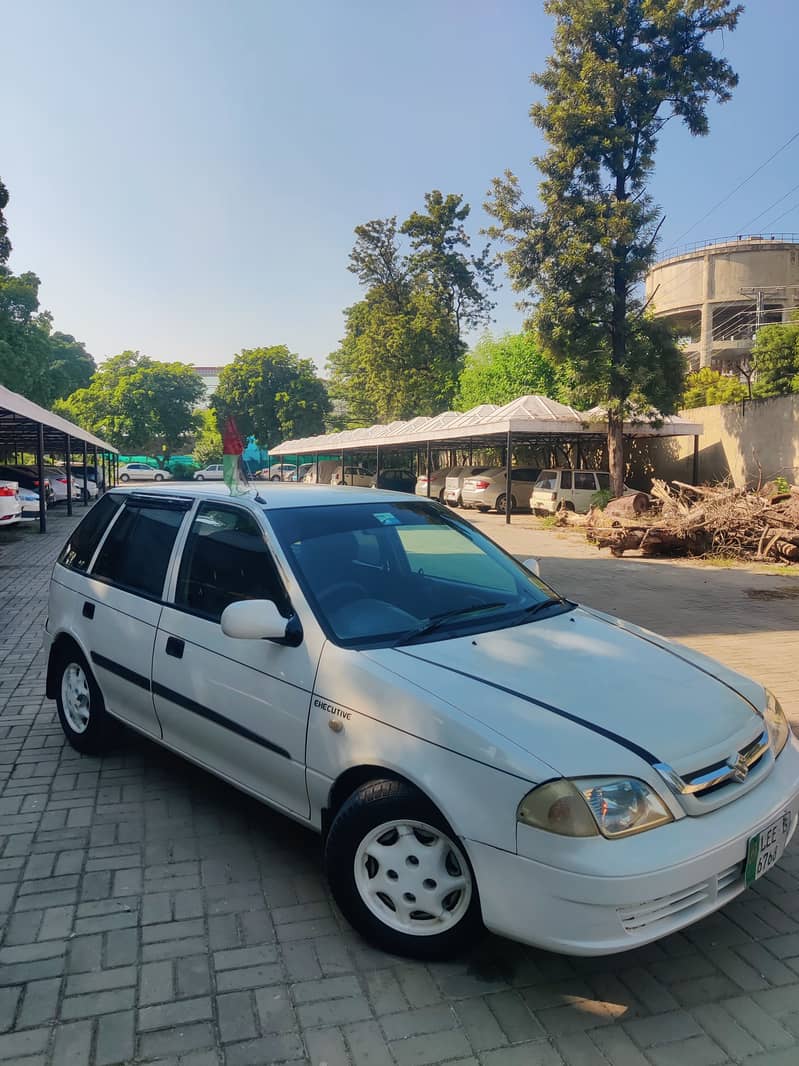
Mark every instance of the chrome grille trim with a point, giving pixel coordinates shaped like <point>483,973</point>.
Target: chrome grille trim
<point>736,768</point>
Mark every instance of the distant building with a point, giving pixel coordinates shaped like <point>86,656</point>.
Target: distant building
<point>210,376</point>
<point>717,294</point>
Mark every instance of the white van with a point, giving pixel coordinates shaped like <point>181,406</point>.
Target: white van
<point>567,490</point>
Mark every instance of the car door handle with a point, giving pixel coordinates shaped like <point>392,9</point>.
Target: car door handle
<point>88,610</point>
<point>175,647</point>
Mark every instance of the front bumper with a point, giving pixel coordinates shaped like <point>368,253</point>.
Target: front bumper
<point>672,876</point>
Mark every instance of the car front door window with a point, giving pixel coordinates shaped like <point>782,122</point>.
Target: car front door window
<point>225,559</point>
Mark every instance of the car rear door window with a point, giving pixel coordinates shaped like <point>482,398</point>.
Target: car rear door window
<point>584,480</point>
<point>78,551</point>
<point>136,552</point>
<point>565,479</point>
<point>225,559</point>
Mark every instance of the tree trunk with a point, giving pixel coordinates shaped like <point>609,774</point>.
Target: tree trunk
<point>616,453</point>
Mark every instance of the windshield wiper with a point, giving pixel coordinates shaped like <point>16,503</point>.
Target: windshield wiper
<point>534,608</point>
<point>438,620</point>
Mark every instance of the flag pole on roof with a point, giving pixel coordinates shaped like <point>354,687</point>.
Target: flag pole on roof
<point>232,463</point>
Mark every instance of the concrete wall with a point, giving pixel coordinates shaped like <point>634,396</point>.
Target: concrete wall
<point>741,441</point>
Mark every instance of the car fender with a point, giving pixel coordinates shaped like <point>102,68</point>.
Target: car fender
<point>361,715</point>
<point>61,622</point>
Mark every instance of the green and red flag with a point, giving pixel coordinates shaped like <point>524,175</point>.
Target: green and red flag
<point>232,463</point>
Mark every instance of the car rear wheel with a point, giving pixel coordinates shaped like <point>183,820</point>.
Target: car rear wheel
<point>399,874</point>
<point>500,504</point>
<point>565,505</point>
<point>158,477</point>
<point>124,477</point>
<point>87,725</point>
<point>199,477</point>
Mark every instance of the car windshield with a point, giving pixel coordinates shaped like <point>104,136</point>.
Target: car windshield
<point>387,573</point>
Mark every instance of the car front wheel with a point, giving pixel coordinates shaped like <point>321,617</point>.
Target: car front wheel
<point>199,477</point>
<point>124,477</point>
<point>158,477</point>
<point>81,710</point>
<point>399,874</point>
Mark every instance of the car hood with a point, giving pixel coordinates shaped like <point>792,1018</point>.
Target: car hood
<point>556,685</point>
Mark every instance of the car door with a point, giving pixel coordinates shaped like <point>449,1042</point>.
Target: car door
<point>122,603</point>
<point>237,706</point>
<point>584,489</point>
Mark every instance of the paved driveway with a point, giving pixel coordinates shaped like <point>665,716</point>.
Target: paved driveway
<point>151,914</point>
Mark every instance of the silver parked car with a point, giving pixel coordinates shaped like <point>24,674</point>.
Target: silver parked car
<point>488,489</point>
<point>437,483</point>
<point>454,483</point>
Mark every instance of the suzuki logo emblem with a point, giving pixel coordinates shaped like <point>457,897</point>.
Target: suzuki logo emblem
<point>740,768</point>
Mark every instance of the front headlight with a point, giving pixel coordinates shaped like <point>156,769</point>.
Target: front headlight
<point>777,724</point>
<point>613,806</point>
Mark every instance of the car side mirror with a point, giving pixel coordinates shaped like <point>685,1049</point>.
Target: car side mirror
<point>531,564</point>
<point>254,620</point>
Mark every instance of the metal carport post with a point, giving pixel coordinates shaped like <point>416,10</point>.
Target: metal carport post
<point>508,476</point>
<point>85,477</point>
<point>428,470</point>
<point>40,475</point>
<point>68,465</point>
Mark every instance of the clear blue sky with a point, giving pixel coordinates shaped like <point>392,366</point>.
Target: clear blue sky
<point>185,176</point>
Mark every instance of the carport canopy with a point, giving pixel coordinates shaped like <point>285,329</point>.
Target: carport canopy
<point>526,420</point>
<point>25,426</point>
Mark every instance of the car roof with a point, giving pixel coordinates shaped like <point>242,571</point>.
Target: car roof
<point>271,495</point>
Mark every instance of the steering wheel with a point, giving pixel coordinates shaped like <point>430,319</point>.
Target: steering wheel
<point>339,586</point>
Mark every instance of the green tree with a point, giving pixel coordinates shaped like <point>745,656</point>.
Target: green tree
<point>395,362</point>
<point>619,72</point>
<point>70,365</point>
<point>439,260</point>
<point>707,387</point>
<point>5,243</point>
<point>24,352</point>
<point>775,360</point>
<point>207,439</point>
<point>497,370</point>
<point>139,404</point>
<point>403,349</point>
<point>273,395</point>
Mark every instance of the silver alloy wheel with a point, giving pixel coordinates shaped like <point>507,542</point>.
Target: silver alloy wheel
<point>75,698</point>
<point>413,878</point>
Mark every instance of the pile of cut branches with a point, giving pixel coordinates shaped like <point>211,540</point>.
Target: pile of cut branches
<point>700,520</point>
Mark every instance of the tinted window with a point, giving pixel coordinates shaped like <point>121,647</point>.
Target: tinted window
<point>136,553</point>
<point>583,480</point>
<point>604,480</point>
<point>547,480</point>
<point>565,479</point>
<point>225,560</point>
<point>79,549</point>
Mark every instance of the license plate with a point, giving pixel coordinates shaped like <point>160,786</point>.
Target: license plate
<point>766,847</point>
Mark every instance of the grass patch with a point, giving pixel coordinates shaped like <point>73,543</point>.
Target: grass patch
<point>549,521</point>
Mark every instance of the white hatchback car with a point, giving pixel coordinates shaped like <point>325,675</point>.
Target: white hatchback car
<point>474,748</point>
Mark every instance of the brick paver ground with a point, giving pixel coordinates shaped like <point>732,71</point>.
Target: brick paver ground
<point>150,914</point>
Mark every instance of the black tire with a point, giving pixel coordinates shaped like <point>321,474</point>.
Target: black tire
<point>565,505</point>
<point>124,477</point>
<point>500,504</point>
<point>275,477</point>
<point>158,477</point>
<point>101,730</point>
<point>199,477</point>
<point>370,806</point>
